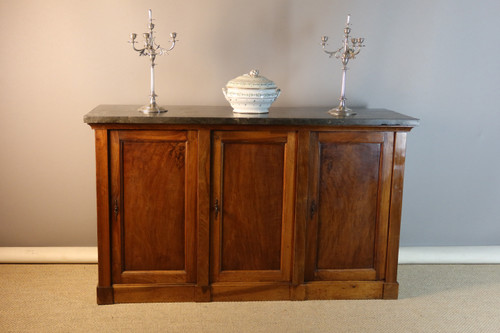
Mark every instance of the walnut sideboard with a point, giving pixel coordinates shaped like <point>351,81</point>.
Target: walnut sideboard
<point>200,204</point>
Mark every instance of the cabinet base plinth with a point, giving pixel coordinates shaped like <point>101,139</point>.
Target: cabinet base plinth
<point>247,291</point>
<point>250,291</point>
<point>325,290</point>
<point>391,290</point>
<point>104,295</point>
<point>153,293</point>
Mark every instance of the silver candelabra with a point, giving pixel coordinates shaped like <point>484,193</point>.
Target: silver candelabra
<point>151,49</point>
<point>350,48</point>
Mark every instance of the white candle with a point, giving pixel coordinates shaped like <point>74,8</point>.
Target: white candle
<point>150,15</point>
<point>348,18</point>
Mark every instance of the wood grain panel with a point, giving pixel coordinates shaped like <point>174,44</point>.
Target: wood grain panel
<point>348,188</point>
<point>153,172</point>
<point>252,206</point>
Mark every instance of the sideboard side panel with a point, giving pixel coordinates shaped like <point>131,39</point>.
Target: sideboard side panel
<point>391,289</point>
<point>104,289</point>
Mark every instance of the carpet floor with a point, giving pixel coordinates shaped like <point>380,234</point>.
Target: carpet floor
<point>432,298</point>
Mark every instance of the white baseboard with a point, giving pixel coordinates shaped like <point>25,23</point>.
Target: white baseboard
<point>407,255</point>
<point>48,255</point>
<point>450,255</point>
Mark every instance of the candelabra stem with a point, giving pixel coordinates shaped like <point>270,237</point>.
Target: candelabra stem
<point>342,89</point>
<point>342,110</point>
<point>153,94</point>
<point>153,99</point>
<point>152,107</point>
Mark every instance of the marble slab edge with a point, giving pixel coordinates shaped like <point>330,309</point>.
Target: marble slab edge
<point>222,115</point>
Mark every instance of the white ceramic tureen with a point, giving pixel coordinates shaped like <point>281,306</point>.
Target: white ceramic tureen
<point>251,93</point>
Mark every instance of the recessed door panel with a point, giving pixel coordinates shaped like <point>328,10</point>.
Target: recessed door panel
<point>253,183</point>
<point>252,206</point>
<point>154,204</point>
<point>348,188</point>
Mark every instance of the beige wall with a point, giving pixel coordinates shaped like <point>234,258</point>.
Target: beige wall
<point>436,60</point>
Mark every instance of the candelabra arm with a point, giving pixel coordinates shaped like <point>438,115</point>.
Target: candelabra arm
<point>353,53</point>
<point>133,42</point>
<point>173,35</point>
<point>172,46</point>
<point>135,48</point>
<point>330,54</point>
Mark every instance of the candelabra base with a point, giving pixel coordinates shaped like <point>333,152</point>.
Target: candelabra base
<point>341,112</point>
<point>152,108</point>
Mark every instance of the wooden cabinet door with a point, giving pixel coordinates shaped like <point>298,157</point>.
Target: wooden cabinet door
<point>153,206</point>
<point>253,206</point>
<point>349,192</point>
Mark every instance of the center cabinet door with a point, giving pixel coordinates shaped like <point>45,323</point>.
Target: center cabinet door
<point>252,206</point>
<point>153,206</point>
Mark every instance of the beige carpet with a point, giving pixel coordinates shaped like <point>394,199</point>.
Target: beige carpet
<point>433,298</point>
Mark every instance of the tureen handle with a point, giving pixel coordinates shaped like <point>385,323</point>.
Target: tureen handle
<point>254,73</point>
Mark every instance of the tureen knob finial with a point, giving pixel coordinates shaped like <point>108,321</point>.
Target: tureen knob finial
<point>254,73</point>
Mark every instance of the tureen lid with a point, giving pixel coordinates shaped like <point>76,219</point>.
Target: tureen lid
<point>251,80</point>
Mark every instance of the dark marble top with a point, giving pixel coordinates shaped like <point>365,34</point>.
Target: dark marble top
<point>223,115</point>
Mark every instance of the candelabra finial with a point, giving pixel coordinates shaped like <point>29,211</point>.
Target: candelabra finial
<point>349,49</point>
<point>151,49</point>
